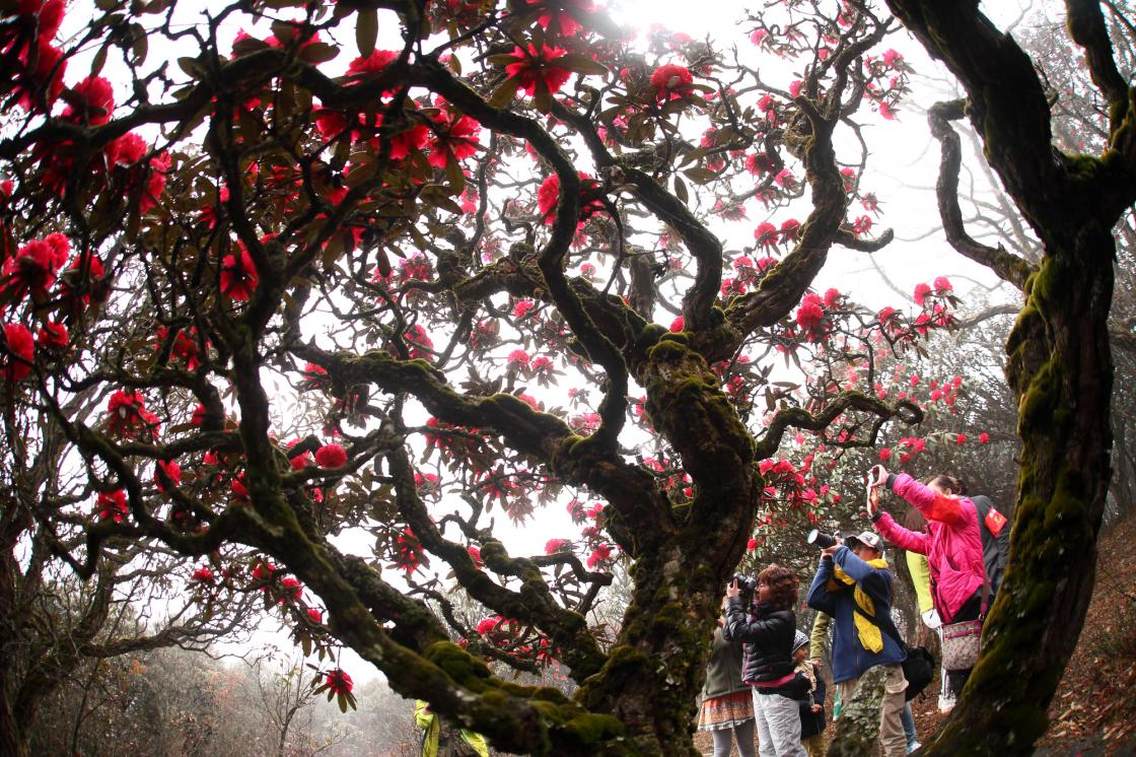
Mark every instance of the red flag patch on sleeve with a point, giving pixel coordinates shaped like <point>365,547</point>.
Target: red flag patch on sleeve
<point>994,521</point>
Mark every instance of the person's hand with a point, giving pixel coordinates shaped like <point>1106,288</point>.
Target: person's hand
<point>817,708</point>
<point>873,504</point>
<point>830,551</point>
<point>877,476</point>
<point>732,590</point>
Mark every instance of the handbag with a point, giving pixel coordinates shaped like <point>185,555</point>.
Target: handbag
<point>918,665</point>
<point>961,643</point>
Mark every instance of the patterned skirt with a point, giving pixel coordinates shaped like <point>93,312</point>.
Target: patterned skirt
<point>725,712</point>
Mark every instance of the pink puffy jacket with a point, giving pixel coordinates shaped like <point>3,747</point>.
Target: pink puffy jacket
<point>953,543</point>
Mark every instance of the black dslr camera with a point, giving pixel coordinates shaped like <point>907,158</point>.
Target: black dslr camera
<point>747,584</point>
<point>820,540</point>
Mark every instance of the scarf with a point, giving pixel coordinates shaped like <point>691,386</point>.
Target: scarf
<point>867,632</point>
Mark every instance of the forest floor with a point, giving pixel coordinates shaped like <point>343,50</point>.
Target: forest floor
<point>1094,711</point>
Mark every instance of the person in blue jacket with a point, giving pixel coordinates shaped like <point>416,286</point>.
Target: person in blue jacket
<point>854,585</point>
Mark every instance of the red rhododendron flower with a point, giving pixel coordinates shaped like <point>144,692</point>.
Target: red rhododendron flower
<point>33,268</point>
<point>18,352</point>
<point>532,68</point>
<point>599,555</point>
<point>452,137</point>
<point>766,235</point>
<point>983,438</point>
<point>237,487</point>
<point>198,416</point>
<point>518,359</point>
<point>112,505</point>
<point>942,285</point>
<point>291,590</point>
<point>170,470</point>
<point>53,335</point>
<point>548,194</point>
<point>421,345</point>
<point>409,554</point>
<point>127,414</point>
<point>560,16</point>
<point>810,313</point>
<point>921,292</point>
<point>92,103</point>
<point>488,625</point>
<point>523,308</point>
<point>239,277</point>
<point>263,571</point>
<point>44,67</point>
<point>960,438</point>
<point>790,230</point>
<point>315,614</point>
<point>678,324</point>
<point>126,150</point>
<point>331,456</point>
<point>371,64</point>
<point>885,454</point>
<point>409,141</point>
<point>751,545</point>
<point>831,297</point>
<point>339,682</point>
<point>552,546</point>
<point>672,82</point>
<point>203,575</point>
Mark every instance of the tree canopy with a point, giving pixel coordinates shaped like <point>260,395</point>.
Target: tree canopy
<point>271,291</point>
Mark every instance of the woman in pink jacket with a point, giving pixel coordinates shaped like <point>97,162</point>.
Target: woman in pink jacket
<point>952,544</point>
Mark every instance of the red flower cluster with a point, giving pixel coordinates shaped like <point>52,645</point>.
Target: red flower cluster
<point>534,68</point>
<point>810,317</point>
<point>239,277</point>
<point>409,554</point>
<point>548,194</point>
<point>203,575</point>
<point>561,16</point>
<point>17,351</point>
<point>112,505</point>
<point>453,137</point>
<point>34,268</point>
<point>128,417</point>
<point>339,683</point>
<point>331,456</point>
<point>672,82</point>
<point>552,546</point>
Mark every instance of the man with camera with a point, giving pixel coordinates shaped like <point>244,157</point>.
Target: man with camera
<point>854,585</point>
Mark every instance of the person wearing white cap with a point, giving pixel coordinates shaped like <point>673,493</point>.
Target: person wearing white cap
<point>854,585</point>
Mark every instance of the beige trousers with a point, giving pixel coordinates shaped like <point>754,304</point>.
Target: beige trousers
<point>892,738</point>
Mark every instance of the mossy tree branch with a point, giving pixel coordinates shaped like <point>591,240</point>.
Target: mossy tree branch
<point>1009,267</point>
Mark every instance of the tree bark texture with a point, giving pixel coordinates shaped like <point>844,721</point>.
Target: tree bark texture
<point>1059,367</point>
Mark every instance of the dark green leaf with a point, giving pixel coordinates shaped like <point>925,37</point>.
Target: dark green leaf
<point>366,31</point>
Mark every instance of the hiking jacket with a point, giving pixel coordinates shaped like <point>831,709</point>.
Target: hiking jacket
<point>953,543</point>
<point>724,670</point>
<point>768,636</point>
<point>849,658</point>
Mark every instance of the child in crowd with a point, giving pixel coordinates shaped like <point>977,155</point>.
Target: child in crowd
<point>812,707</point>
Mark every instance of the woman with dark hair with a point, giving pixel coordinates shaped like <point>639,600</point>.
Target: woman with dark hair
<point>768,631</point>
<point>952,544</point>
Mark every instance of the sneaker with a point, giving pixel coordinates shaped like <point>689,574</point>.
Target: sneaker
<point>946,703</point>
<point>913,746</point>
